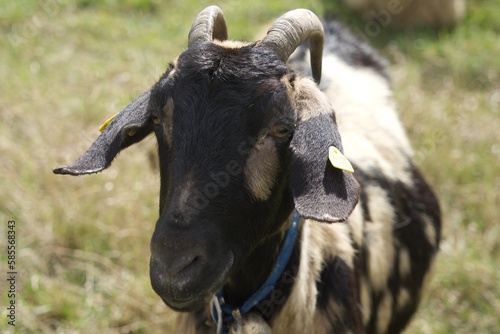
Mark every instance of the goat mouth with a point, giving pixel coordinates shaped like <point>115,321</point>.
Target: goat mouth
<point>185,305</point>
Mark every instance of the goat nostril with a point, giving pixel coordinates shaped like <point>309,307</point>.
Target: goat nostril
<point>181,265</point>
<point>194,262</point>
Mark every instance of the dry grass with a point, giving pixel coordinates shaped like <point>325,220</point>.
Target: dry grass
<point>83,243</point>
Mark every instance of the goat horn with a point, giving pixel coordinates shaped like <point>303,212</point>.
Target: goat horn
<point>291,30</point>
<point>209,25</point>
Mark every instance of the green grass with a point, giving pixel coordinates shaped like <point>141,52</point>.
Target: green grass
<point>83,243</point>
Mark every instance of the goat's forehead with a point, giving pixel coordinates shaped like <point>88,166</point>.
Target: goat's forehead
<point>244,60</point>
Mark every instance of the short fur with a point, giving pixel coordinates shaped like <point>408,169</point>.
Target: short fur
<point>229,184</point>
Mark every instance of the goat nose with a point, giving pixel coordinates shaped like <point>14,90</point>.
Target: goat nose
<point>174,278</point>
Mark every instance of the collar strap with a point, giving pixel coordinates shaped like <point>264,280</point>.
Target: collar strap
<point>224,314</point>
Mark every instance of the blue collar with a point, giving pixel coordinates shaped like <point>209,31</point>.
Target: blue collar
<point>224,314</point>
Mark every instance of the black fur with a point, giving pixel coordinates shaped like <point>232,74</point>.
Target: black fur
<point>338,283</point>
<point>279,296</point>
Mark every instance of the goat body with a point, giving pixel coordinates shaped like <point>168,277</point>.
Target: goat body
<point>243,140</point>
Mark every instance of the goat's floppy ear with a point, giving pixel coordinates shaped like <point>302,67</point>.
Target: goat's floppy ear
<point>320,191</point>
<point>129,126</point>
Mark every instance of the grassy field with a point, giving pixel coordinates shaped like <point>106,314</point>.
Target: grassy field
<point>83,243</point>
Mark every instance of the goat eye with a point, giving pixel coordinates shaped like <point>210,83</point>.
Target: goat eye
<point>156,119</point>
<point>279,131</point>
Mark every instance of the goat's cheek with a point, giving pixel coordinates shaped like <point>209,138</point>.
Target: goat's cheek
<point>261,168</point>
<point>168,111</point>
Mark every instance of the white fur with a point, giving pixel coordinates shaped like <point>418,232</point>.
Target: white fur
<point>372,135</point>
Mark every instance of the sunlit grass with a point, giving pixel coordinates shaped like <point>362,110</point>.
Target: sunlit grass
<point>83,243</point>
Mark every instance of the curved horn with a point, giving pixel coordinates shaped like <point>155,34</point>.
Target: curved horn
<point>209,25</point>
<point>291,30</point>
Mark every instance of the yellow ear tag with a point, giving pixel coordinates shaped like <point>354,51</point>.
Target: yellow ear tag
<point>338,160</point>
<point>105,125</point>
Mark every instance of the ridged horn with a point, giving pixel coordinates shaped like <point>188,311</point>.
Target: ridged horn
<point>291,30</point>
<point>209,25</point>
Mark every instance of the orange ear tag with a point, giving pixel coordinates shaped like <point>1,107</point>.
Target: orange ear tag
<point>338,160</point>
<point>105,125</point>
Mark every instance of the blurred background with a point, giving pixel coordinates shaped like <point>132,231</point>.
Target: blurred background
<point>83,243</point>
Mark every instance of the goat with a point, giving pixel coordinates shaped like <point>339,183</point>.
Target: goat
<point>259,228</point>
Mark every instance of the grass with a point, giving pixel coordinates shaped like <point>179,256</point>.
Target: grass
<point>83,243</point>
